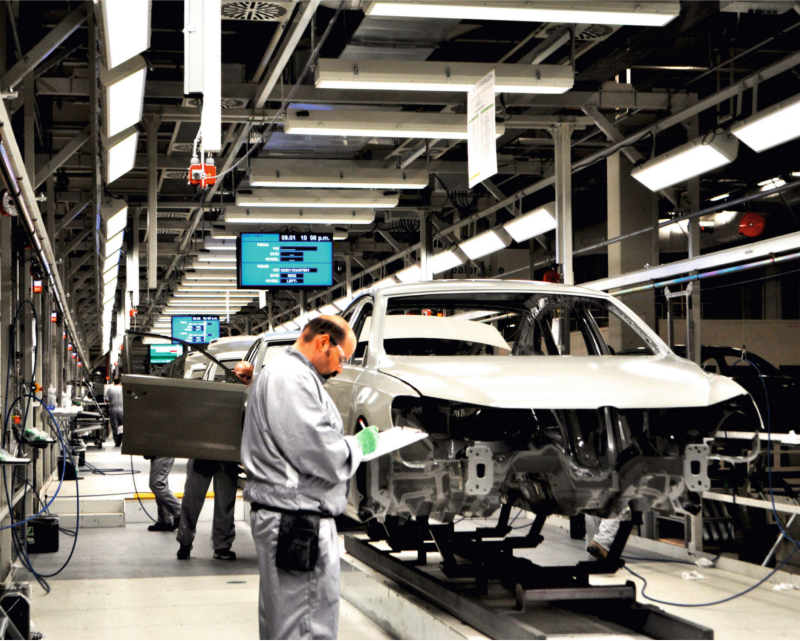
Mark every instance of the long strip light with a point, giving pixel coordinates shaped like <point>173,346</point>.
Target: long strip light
<point>770,127</point>
<point>687,161</point>
<point>486,243</point>
<point>311,216</point>
<point>445,260</point>
<point>120,153</point>
<point>123,94</point>
<point>389,124</point>
<point>411,274</point>
<point>317,198</point>
<point>126,29</point>
<point>333,174</point>
<point>409,75</point>
<point>642,14</point>
<point>539,221</point>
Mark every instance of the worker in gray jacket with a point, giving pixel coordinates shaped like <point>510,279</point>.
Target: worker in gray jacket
<point>114,400</point>
<point>298,463</point>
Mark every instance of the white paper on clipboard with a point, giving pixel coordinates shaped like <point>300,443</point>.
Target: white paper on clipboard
<point>394,439</point>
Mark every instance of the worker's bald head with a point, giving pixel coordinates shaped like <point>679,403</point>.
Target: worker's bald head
<point>244,372</point>
<point>327,341</point>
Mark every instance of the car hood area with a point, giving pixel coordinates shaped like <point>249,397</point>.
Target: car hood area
<point>563,382</point>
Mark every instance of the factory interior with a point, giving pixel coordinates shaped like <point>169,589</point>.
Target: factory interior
<point>482,316</point>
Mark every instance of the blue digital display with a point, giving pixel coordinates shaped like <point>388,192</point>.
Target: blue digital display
<point>297,260</point>
<point>195,329</point>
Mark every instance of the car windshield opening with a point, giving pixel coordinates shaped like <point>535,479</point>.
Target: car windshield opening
<point>510,324</point>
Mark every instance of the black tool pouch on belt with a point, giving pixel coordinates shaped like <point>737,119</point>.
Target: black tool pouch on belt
<point>298,542</point>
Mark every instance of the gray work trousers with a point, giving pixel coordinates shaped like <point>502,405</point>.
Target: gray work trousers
<point>606,529</point>
<point>296,605</point>
<point>115,416</point>
<point>169,507</point>
<point>223,530</point>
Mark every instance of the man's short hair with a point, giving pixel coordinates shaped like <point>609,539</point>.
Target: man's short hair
<point>321,325</point>
<point>117,380</point>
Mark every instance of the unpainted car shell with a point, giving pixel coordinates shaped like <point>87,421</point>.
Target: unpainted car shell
<point>367,396</point>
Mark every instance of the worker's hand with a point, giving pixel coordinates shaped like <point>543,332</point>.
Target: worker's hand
<point>368,439</point>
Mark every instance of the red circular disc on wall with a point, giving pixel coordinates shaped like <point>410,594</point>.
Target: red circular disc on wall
<point>752,225</point>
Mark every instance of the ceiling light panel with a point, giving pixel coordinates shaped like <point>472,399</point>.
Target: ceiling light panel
<point>444,261</point>
<point>114,216</point>
<point>770,127</point>
<point>687,161</point>
<point>390,75</point>
<point>123,94</point>
<point>126,29</point>
<point>333,174</point>
<point>120,153</point>
<point>411,274</point>
<point>537,222</point>
<point>486,243</point>
<point>310,216</point>
<point>403,124</point>
<point>643,14</point>
<point>113,244</point>
<point>318,198</point>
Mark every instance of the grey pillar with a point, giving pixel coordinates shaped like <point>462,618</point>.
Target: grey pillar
<point>303,307</point>
<point>631,206</point>
<point>694,246</point>
<point>152,203</point>
<point>29,126</point>
<point>562,135</point>
<point>425,245</point>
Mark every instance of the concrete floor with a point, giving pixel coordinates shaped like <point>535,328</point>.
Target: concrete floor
<point>126,582</point>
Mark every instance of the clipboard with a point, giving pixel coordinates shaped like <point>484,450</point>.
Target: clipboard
<point>395,438</point>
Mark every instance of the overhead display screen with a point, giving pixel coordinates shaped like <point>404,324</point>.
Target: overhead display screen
<point>163,354</point>
<point>195,329</point>
<point>296,260</point>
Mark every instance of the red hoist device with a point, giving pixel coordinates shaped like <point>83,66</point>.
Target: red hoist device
<point>202,171</point>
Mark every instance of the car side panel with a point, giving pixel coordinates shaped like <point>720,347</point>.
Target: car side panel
<point>182,418</point>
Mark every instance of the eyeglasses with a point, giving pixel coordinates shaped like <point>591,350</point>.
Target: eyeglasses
<point>342,357</point>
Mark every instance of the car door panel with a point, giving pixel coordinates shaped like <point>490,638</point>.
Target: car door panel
<point>182,418</point>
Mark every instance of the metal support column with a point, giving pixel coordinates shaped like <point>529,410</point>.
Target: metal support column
<point>303,308</point>
<point>29,125</point>
<point>693,131</point>
<point>152,203</point>
<point>425,245</point>
<point>348,276</point>
<point>562,135</point>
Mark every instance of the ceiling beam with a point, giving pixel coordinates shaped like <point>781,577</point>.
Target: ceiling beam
<point>62,156</point>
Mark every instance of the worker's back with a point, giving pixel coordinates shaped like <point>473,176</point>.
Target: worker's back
<point>114,397</point>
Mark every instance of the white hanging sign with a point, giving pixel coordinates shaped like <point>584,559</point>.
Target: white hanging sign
<point>481,131</point>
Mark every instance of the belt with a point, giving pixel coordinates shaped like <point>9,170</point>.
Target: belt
<point>255,506</point>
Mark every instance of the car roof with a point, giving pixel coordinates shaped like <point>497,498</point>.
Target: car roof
<point>465,285</point>
<point>230,343</point>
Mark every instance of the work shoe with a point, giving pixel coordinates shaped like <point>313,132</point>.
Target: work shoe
<point>597,551</point>
<point>225,554</point>
<point>183,552</point>
<point>160,527</point>
<point>7,459</point>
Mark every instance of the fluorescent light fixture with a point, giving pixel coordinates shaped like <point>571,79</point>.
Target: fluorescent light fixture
<point>411,274</point>
<point>111,274</point>
<point>215,266</point>
<point>387,124</point>
<point>324,198</point>
<point>214,257</point>
<point>444,261</point>
<point>687,161</point>
<point>720,197</point>
<point>772,183</point>
<point>486,243</point>
<point>123,95</point>
<point>725,217</point>
<point>230,295</point>
<point>111,261</point>
<point>120,153</point>
<point>332,174</point>
<point>291,326</point>
<point>330,310</point>
<point>201,310</point>
<point>642,14</point>
<point>535,223</point>
<point>314,313</point>
<point>217,244</point>
<point>113,244</point>
<point>386,282</point>
<point>310,216</point>
<point>110,289</point>
<point>770,127</point>
<point>114,215</point>
<point>126,29</point>
<point>224,276</point>
<point>407,75</point>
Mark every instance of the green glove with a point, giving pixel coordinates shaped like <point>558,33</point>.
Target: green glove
<point>368,439</point>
